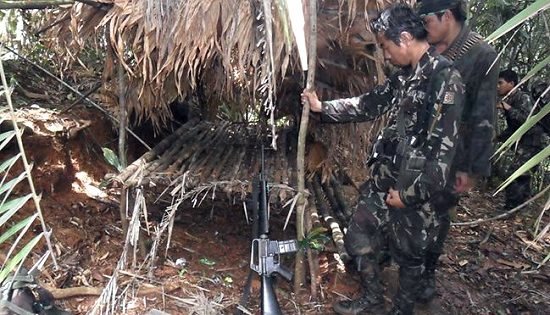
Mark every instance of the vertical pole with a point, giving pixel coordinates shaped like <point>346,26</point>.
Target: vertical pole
<point>299,272</point>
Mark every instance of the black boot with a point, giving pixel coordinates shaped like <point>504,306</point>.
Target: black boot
<point>372,299</point>
<point>409,285</point>
<point>427,284</point>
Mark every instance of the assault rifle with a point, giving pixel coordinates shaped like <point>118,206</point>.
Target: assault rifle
<point>265,254</point>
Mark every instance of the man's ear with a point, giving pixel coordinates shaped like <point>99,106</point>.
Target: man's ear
<point>447,15</point>
<point>405,37</point>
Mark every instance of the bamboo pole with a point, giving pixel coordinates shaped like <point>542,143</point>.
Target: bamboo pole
<point>299,271</point>
<point>37,4</point>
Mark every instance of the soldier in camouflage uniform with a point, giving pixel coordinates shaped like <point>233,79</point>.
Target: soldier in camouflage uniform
<point>411,161</point>
<point>516,107</point>
<point>449,33</point>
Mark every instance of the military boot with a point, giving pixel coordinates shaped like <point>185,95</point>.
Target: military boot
<point>409,285</point>
<point>427,284</point>
<point>371,301</point>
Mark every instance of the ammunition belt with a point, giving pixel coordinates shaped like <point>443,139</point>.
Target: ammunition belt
<point>463,45</point>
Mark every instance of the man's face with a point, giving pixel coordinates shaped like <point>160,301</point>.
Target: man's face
<point>396,54</point>
<point>503,86</point>
<point>437,28</point>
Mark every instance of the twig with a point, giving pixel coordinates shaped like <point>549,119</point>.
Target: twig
<point>486,238</point>
<point>92,90</point>
<point>47,27</point>
<point>503,215</point>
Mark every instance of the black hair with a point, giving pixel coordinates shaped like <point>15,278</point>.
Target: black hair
<point>537,89</point>
<point>459,12</point>
<point>397,19</point>
<point>509,75</point>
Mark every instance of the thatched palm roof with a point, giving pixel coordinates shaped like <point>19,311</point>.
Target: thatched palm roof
<point>218,49</point>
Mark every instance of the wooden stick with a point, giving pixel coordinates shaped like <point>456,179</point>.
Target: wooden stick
<point>503,215</point>
<point>299,272</point>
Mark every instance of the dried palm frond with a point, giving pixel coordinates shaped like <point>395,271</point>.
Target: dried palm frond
<point>230,49</point>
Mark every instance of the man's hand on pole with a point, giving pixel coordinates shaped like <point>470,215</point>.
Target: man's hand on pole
<point>311,98</point>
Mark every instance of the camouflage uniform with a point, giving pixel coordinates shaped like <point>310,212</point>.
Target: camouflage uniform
<point>475,60</point>
<point>413,154</point>
<point>529,145</point>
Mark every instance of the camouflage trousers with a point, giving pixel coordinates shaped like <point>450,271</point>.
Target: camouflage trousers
<point>520,189</point>
<point>440,205</point>
<point>376,232</point>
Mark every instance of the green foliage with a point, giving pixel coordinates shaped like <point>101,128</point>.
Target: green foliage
<point>526,18</point>
<point>112,159</point>
<point>316,239</point>
<point>207,262</point>
<point>11,204</point>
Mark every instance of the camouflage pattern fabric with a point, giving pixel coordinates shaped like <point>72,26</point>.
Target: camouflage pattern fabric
<point>425,148</point>
<point>413,154</point>
<point>479,73</point>
<point>529,145</point>
<point>478,66</point>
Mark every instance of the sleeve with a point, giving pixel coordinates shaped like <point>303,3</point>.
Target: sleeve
<point>442,140</point>
<point>478,139</point>
<point>362,108</point>
<point>520,109</point>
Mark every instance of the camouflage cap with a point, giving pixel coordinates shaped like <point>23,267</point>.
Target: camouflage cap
<point>432,6</point>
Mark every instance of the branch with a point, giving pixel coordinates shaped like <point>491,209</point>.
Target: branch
<point>43,4</point>
<point>28,5</point>
<point>503,215</point>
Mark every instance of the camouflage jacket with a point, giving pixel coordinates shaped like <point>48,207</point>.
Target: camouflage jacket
<point>475,60</point>
<point>521,105</point>
<point>426,100</point>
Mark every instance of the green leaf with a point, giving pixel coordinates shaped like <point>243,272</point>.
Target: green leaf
<point>543,154</point>
<point>5,138</point>
<point>11,207</point>
<point>315,232</point>
<point>112,158</point>
<point>528,124</point>
<point>12,183</point>
<point>207,262</point>
<point>541,65</point>
<point>17,227</point>
<point>9,163</point>
<point>182,272</point>
<point>228,280</point>
<point>20,256</point>
<point>521,17</point>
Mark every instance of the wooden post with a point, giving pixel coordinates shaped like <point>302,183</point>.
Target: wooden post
<point>299,272</point>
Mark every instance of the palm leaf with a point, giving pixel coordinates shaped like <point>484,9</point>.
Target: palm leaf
<point>543,154</point>
<point>10,206</point>
<point>11,184</point>
<point>540,66</point>
<point>5,138</point>
<point>9,163</point>
<point>528,124</point>
<point>521,17</point>
<point>17,227</point>
<point>19,257</point>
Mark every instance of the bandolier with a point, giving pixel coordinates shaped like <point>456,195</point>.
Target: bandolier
<point>467,39</point>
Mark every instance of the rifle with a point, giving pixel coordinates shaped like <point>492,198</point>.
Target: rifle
<point>265,253</point>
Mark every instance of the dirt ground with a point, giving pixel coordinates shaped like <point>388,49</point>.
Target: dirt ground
<point>492,268</point>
